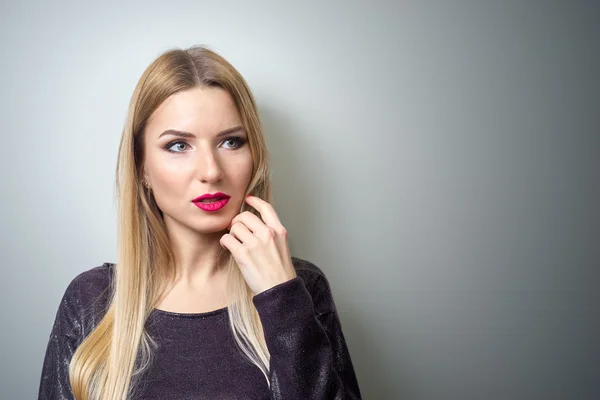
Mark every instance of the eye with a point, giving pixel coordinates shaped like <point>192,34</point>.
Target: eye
<point>181,144</point>
<point>178,142</point>
<point>235,139</point>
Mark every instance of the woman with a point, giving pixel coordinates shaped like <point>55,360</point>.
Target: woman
<point>205,301</point>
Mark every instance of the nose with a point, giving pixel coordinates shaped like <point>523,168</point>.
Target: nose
<point>208,167</point>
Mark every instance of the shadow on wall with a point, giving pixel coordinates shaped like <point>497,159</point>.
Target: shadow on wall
<point>291,197</point>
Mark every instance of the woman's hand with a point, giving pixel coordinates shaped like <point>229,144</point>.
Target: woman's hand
<point>260,249</point>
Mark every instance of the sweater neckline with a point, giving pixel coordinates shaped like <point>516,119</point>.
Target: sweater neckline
<point>158,311</point>
<point>189,315</point>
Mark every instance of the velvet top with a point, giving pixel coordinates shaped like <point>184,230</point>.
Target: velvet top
<point>197,357</point>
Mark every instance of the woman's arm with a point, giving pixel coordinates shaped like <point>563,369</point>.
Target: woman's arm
<point>309,355</point>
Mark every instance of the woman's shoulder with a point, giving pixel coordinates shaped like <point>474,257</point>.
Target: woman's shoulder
<point>316,283</point>
<point>92,282</point>
<point>86,298</point>
<point>306,269</point>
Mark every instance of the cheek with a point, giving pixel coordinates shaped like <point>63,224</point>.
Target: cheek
<point>169,187</point>
<point>169,179</point>
<point>241,171</point>
<point>171,171</point>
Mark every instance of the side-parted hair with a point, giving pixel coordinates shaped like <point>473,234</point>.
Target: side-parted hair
<point>110,359</point>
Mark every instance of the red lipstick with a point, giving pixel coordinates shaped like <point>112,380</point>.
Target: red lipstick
<point>211,202</point>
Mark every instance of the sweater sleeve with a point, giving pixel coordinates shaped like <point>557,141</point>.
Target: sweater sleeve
<point>309,355</point>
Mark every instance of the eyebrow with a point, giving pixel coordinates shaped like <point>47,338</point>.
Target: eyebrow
<point>184,134</point>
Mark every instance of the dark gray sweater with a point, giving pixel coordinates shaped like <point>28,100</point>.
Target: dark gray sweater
<point>197,357</point>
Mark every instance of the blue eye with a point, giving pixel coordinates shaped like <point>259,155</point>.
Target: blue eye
<point>236,139</point>
<point>168,147</point>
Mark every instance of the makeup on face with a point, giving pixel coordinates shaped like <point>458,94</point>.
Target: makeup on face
<point>211,201</point>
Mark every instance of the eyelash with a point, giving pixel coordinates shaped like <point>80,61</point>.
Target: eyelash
<point>237,138</point>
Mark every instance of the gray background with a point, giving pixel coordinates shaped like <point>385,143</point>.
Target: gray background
<point>438,160</point>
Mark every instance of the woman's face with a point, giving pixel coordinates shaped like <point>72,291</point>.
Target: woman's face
<point>180,169</point>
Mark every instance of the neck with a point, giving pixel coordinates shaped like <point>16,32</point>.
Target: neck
<point>197,257</point>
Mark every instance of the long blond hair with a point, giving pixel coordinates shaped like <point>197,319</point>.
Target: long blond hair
<point>110,359</point>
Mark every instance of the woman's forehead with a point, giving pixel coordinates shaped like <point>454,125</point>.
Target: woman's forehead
<point>201,111</point>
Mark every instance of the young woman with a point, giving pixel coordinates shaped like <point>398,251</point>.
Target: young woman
<point>205,300</point>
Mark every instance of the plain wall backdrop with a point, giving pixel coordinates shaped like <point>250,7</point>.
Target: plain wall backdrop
<point>438,160</point>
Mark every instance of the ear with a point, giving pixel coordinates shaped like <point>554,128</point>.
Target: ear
<point>145,181</point>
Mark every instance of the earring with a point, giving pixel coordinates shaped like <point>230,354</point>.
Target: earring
<point>145,183</point>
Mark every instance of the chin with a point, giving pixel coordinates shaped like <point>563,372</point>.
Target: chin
<point>215,226</point>
<point>202,224</point>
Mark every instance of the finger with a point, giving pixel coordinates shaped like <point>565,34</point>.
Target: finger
<point>242,233</point>
<point>233,245</point>
<point>275,228</point>
<point>252,221</point>
<point>267,212</point>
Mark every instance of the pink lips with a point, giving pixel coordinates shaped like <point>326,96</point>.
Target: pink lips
<point>222,200</point>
